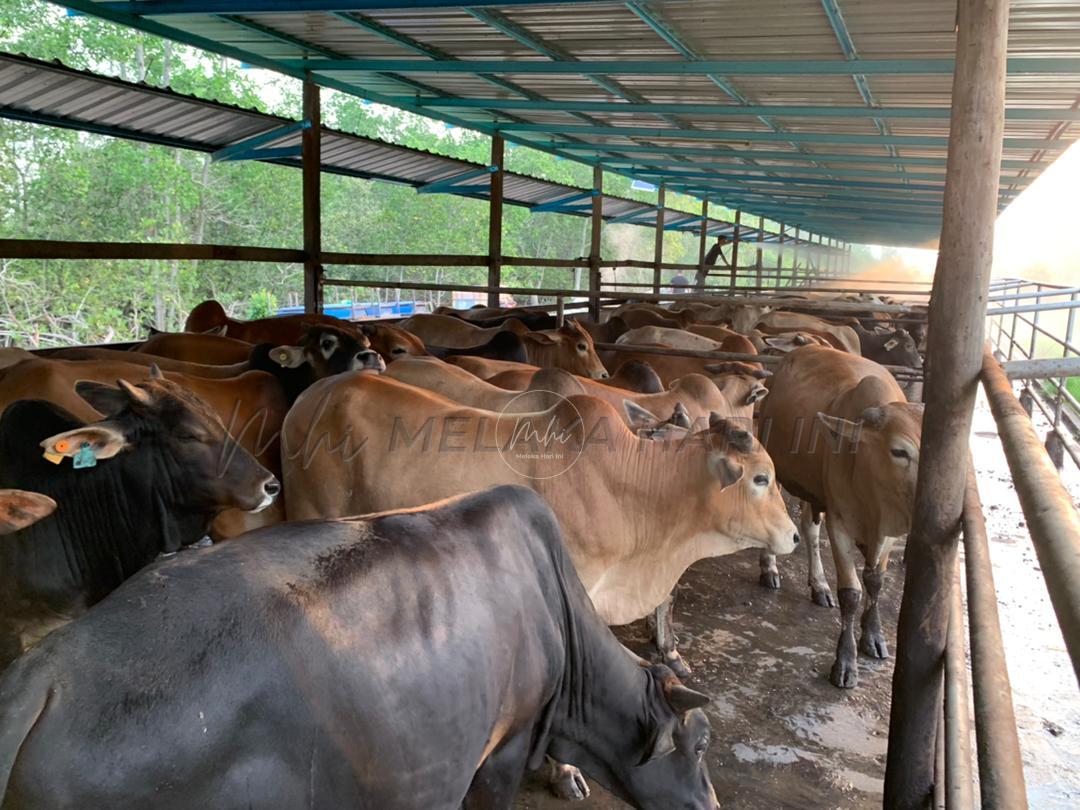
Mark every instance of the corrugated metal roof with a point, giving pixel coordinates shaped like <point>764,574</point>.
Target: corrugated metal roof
<point>810,178</point>
<point>51,93</point>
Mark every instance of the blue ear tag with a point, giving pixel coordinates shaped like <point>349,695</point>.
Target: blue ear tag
<point>84,458</point>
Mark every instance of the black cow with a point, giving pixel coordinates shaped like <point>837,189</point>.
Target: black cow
<point>151,477</point>
<point>323,350</point>
<point>890,347</point>
<point>415,659</point>
<point>505,345</point>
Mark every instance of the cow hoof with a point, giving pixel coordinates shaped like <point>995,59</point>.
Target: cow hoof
<point>569,784</point>
<point>206,542</point>
<point>845,674</point>
<point>873,645</point>
<point>770,580</point>
<point>675,662</point>
<point>822,597</point>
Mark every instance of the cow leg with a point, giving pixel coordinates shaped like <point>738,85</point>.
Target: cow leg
<point>496,781</point>
<point>567,782</point>
<point>666,640</point>
<point>872,641</point>
<point>770,574</point>
<point>845,669</point>
<point>810,532</point>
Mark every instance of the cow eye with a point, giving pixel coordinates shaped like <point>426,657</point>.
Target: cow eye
<point>701,747</point>
<point>186,436</point>
<point>327,345</point>
<point>581,347</point>
<point>761,480</point>
<point>899,452</point>
<point>398,350</point>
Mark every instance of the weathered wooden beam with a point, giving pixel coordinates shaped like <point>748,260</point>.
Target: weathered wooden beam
<point>311,168</point>
<point>658,239</point>
<point>495,219</point>
<point>596,224</point>
<point>65,249</point>
<point>954,360</point>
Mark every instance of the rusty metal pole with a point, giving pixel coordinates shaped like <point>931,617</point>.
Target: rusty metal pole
<point>1001,771</point>
<point>957,786</point>
<point>658,239</point>
<point>495,220</point>
<point>311,169</point>
<point>596,223</point>
<point>954,358</point>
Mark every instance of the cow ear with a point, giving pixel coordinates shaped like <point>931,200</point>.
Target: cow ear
<point>105,399</point>
<point>891,344</point>
<point>682,699</point>
<point>681,417</point>
<point>724,469</point>
<point>541,338</point>
<point>155,372</point>
<point>288,356</point>
<point>103,440</point>
<point>19,509</point>
<point>661,744</point>
<point>838,427</point>
<point>638,417</point>
<point>784,343</point>
<point>757,393</point>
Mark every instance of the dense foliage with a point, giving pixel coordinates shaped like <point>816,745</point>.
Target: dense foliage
<point>61,184</point>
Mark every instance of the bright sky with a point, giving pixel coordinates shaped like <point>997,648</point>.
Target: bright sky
<point>1036,236</point>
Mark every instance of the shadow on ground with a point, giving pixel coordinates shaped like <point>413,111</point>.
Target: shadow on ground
<point>783,736</point>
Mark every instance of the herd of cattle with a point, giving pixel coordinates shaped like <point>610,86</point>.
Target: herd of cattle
<point>521,491</point>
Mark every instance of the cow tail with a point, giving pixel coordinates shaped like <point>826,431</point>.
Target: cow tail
<point>19,713</point>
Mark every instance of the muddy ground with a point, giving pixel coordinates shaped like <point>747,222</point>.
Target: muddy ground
<point>784,737</point>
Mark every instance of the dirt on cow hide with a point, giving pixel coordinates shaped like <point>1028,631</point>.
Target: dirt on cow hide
<point>784,737</point>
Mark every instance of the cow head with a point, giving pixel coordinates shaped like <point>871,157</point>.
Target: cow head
<point>754,514</point>
<point>569,347</point>
<point>19,509</point>
<point>656,759</point>
<point>329,350</point>
<point>392,342</point>
<point>897,348</point>
<point>193,462</point>
<point>885,441</point>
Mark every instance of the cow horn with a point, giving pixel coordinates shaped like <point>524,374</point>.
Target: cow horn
<point>682,698</point>
<point>135,394</point>
<point>155,372</point>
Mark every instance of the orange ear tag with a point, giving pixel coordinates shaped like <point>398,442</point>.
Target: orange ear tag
<point>62,446</point>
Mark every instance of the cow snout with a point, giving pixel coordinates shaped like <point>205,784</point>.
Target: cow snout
<point>603,375</point>
<point>273,489</point>
<point>369,358</point>
<point>795,538</point>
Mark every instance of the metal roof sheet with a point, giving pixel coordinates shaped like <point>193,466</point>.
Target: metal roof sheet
<point>772,52</point>
<point>50,93</point>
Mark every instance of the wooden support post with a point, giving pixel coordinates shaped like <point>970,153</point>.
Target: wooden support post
<point>702,271</point>
<point>596,222</point>
<point>757,264</point>
<point>847,262</point>
<point>735,251</point>
<point>311,168</point>
<point>658,240</point>
<point>495,220</point>
<point>954,360</point>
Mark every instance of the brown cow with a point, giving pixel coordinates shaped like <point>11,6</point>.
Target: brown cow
<point>635,512</point>
<point>846,442</point>
<point>210,316</point>
<point>207,349</point>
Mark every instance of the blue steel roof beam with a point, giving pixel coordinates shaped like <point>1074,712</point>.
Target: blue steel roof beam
<point>665,32</point>
<point>398,38</point>
<point>310,47</point>
<point>862,84</point>
<point>879,203</point>
<point>519,33</point>
<point>170,7</point>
